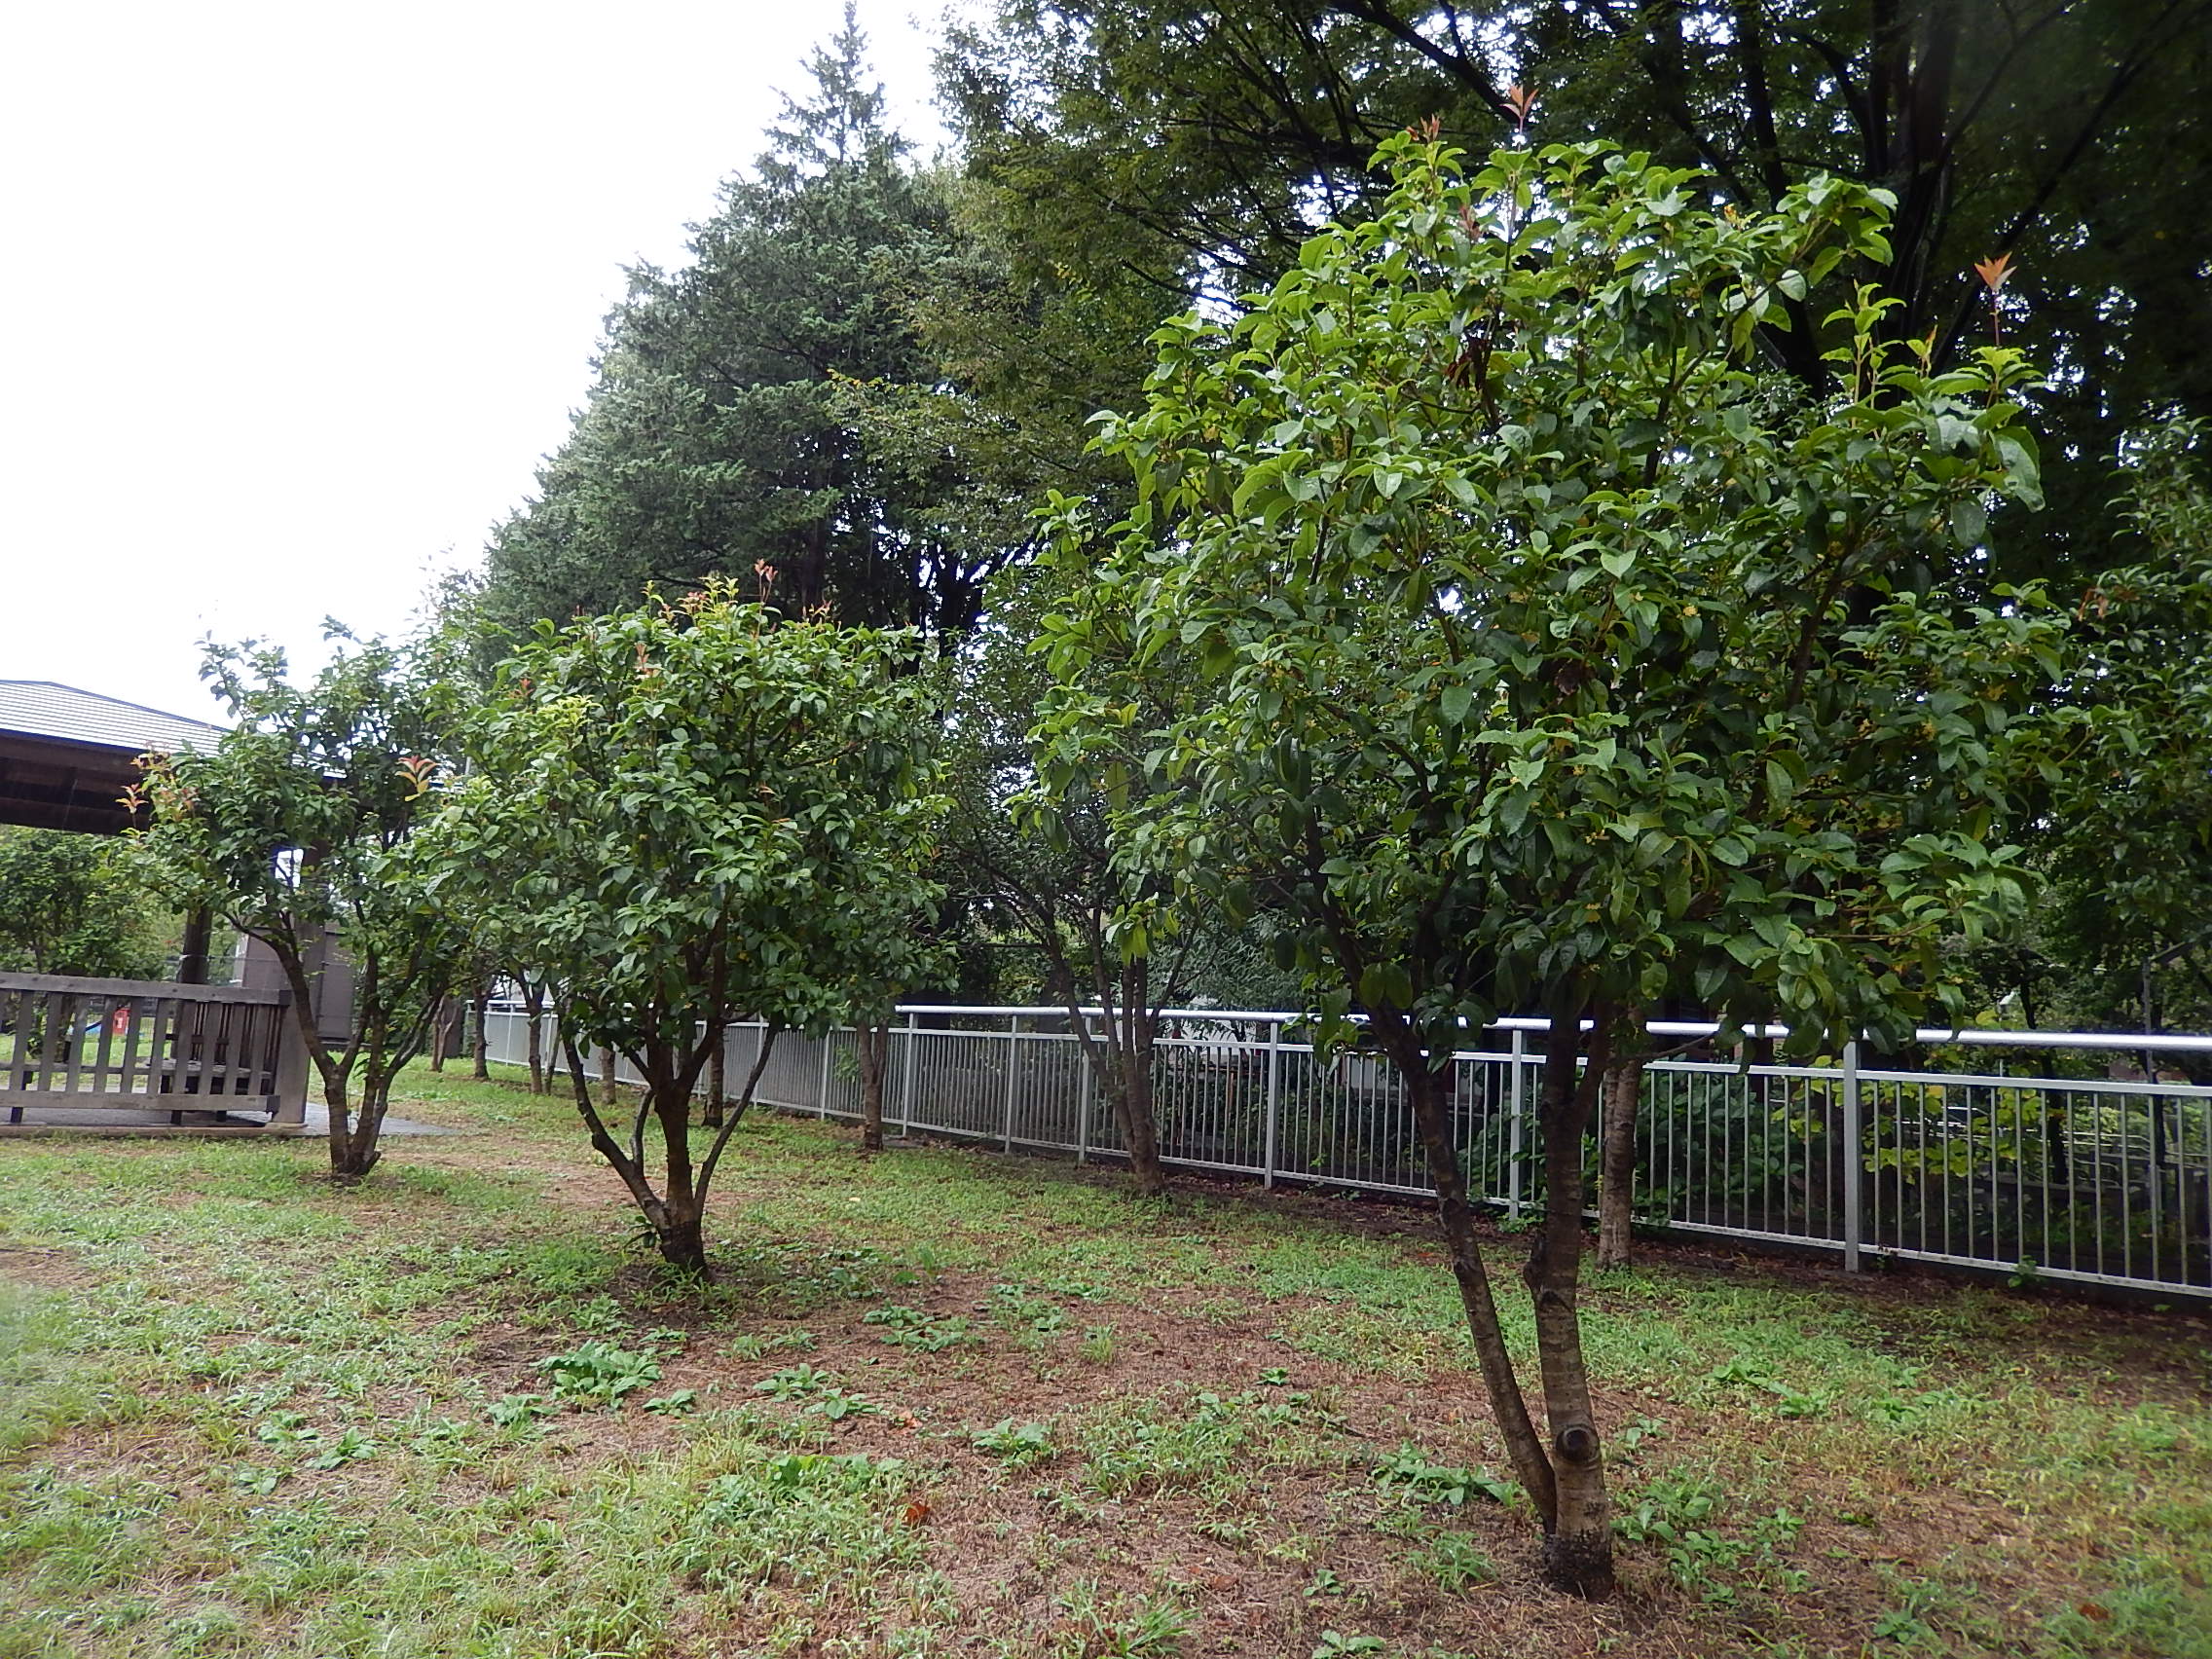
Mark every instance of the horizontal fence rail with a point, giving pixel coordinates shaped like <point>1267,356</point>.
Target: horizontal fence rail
<point>2104,1179</point>
<point>134,1047</point>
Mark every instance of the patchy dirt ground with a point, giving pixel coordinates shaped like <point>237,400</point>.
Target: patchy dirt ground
<point>944,1402</point>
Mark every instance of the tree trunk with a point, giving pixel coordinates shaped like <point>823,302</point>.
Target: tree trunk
<point>680,1229</point>
<point>191,952</point>
<point>1616,1147</point>
<point>350,1159</point>
<point>874,1041</point>
<point>682,1241</point>
<point>683,1246</point>
<point>351,1153</point>
<point>1429,1090</point>
<point>354,1134</point>
<point>1140,1133</point>
<point>718,1058</point>
<point>1131,1031</point>
<point>677,1211</point>
<point>1579,1544</point>
<point>480,1039</point>
<point>440,1033</point>
<point>361,1156</point>
<point>355,1152</point>
<point>533,1010</point>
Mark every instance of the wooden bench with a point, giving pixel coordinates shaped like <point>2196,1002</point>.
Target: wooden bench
<point>131,1047</point>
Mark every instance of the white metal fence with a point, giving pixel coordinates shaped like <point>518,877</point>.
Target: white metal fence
<point>2101,1179</point>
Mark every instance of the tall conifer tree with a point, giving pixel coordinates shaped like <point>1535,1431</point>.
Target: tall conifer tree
<point>723,433</point>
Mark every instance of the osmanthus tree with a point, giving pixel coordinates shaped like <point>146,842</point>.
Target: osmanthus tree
<point>299,828</point>
<point>1545,653</point>
<point>1032,837</point>
<point>688,813</point>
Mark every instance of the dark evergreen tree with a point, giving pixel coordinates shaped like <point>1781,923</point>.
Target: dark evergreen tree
<point>726,431</point>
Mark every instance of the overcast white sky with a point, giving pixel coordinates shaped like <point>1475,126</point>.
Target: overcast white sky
<point>297,294</point>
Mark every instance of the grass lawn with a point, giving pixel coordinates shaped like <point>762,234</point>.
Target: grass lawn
<point>944,1402</point>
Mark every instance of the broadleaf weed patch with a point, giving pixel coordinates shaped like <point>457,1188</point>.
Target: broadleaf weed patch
<point>1410,1469</point>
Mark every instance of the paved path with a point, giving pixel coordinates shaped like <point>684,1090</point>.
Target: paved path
<point>318,1123</point>
<point>114,1119</point>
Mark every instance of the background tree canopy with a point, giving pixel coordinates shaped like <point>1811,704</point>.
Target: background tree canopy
<point>869,368</point>
<point>1191,149</point>
<point>871,371</point>
<point>77,905</point>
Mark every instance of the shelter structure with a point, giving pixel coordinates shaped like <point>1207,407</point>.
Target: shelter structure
<point>68,756</point>
<point>173,1057</point>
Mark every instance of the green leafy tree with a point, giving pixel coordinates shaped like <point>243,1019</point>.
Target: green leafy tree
<point>297,828</point>
<point>684,814</point>
<point>1026,347</point>
<point>73,904</point>
<point>1034,840</point>
<point>1523,612</point>
<point>2129,827</point>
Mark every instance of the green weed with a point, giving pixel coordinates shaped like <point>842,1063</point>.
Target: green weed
<point>924,1332</point>
<point>1409,1467</point>
<point>1454,1562</point>
<point>599,1373</point>
<point>1020,1444</point>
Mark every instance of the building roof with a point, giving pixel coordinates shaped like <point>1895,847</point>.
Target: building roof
<point>40,708</point>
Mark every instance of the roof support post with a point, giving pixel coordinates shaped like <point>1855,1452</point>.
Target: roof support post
<point>192,954</point>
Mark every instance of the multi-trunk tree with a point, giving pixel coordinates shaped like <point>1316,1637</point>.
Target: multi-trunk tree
<point>298,828</point>
<point>685,814</point>
<point>1545,652</point>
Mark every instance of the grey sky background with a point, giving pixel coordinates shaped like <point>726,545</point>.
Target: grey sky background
<point>300,294</point>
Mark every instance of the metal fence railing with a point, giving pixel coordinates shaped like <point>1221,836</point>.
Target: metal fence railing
<point>2104,1179</point>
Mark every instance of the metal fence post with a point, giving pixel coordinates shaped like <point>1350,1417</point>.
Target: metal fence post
<point>1274,1103</point>
<point>1513,1125</point>
<point>907,1078</point>
<point>1013,1060</point>
<point>1854,1196</point>
<point>822,1100</point>
<point>1083,1099</point>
